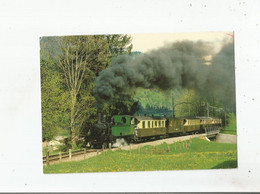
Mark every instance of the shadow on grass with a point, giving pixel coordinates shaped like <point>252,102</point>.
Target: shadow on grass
<point>226,164</point>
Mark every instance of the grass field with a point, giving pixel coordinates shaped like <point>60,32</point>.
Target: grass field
<point>230,129</point>
<point>200,155</point>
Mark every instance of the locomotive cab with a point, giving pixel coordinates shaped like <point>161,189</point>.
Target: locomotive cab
<point>123,127</point>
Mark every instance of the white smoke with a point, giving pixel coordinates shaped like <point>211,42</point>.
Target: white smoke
<point>121,142</point>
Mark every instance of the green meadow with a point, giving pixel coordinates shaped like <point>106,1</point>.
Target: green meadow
<point>231,127</point>
<point>198,154</point>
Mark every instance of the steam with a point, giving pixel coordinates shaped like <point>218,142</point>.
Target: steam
<point>120,143</point>
<point>177,65</point>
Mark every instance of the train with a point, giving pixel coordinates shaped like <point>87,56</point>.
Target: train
<point>144,128</point>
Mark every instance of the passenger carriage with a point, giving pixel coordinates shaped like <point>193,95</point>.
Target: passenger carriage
<point>135,128</point>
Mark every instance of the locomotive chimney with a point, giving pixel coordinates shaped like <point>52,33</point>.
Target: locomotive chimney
<point>99,117</point>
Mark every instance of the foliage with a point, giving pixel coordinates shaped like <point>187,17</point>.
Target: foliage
<point>54,100</point>
<point>231,124</point>
<point>200,155</point>
<point>154,101</point>
<point>188,104</point>
<point>231,118</point>
<point>50,48</point>
<point>67,88</point>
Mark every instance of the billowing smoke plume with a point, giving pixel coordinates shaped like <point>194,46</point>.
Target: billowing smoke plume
<point>178,65</point>
<point>221,79</point>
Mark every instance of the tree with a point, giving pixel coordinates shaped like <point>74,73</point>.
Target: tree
<point>82,58</point>
<point>54,100</point>
<point>119,44</point>
<point>74,69</point>
<point>188,104</point>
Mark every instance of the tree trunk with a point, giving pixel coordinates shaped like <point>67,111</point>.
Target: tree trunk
<point>72,118</point>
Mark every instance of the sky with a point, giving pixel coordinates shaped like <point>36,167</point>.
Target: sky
<point>146,42</point>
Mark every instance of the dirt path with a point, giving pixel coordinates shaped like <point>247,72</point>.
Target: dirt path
<point>226,138</point>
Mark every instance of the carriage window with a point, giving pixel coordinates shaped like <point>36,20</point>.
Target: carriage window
<point>152,124</point>
<point>143,123</point>
<point>155,123</point>
<point>124,119</point>
<point>159,123</point>
<point>148,124</point>
<point>163,123</point>
<point>184,121</point>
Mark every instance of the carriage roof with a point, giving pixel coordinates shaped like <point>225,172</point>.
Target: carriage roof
<point>149,118</point>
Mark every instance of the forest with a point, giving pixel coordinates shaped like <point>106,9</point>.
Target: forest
<point>69,67</point>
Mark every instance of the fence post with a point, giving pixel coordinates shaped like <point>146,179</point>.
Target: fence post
<point>102,147</point>
<point>109,146</point>
<point>168,150</point>
<point>97,152</point>
<point>84,153</point>
<point>47,158</point>
<point>60,155</point>
<point>70,154</point>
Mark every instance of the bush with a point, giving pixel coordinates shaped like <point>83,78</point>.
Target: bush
<point>231,118</point>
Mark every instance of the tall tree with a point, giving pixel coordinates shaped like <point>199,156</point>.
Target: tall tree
<point>82,58</point>
<point>74,69</point>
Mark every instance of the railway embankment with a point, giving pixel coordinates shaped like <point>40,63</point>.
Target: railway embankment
<point>226,138</point>
<point>161,141</point>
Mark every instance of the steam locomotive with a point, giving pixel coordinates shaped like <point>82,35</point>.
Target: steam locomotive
<point>144,128</point>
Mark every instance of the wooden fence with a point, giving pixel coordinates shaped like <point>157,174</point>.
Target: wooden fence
<point>66,155</point>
